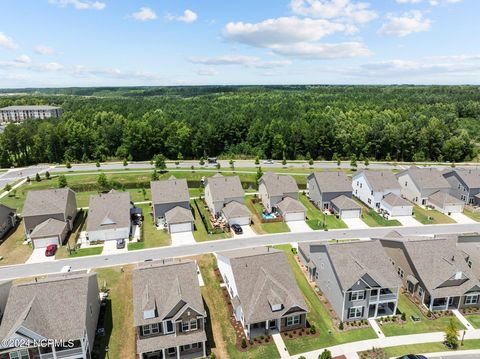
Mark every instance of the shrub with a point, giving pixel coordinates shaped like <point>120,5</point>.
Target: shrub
<point>244,343</point>
<point>340,326</point>
<point>326,354</point>
<point>212,356</point>
<point>429,314</point>
<point>301,357</point>
<point>313,330</point>
<point>451,334</point>
<point>404,317</point>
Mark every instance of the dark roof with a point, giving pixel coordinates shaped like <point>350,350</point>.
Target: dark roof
<point>278,185</point>
<point>47,201</point>
<point>6,211</point>
<point>332,181</point>
<point>170,191</point>
<point>109,210</point>
<point>380,181</point>
<point>471,177</point>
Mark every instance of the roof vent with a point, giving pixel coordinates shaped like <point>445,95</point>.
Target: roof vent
<point>453,258</point>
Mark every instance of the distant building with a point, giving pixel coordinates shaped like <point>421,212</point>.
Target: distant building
<point>21,113</point>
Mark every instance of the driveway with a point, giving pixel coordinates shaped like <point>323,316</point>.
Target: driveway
<point>38,256</point>
<point>247,232</point>
<point>407,221</point>
<point>110,247</point>
<point>461,218</point>
<point>182,238</point>
<point>298,226</point>
<point>355,223</point>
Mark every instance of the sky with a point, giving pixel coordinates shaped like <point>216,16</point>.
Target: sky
<point>60,43</point>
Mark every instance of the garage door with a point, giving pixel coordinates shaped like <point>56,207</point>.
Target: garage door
<point>454,209</point>
<point>294,216</point>
<point>181,227</point>
<point>44,242</point>
<point>353,213</point>
<point>242,221</point>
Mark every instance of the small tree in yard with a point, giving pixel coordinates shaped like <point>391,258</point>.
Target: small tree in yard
<point>244,343</point>
<point>232,164</point>
<point>284,160</point>
<point>8,187</point>
<point>259,174</point>
<point>451,334</point>
<point>257,160</point>
<point>62,181</point>
<point>366,162</point>
<point>326,354</point>
<point>202,162</point>
<point>68,164</point>
<point>97,164</point>
<point>218,165</point>
<point>179,158</point>
<point>159,161</point>
<point>47,175</point>
<point>28,179</point>
<point>125,163</point>
<point>102,181</point>
<point>144,193</point>
<point>38,178</point>
<point>155,176</point>
<point>353,161</point>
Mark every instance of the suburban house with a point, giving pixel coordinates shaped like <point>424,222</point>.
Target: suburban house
<point>43,208</point>
<point>356,277</point>
<point>323,187</point>
<point>469,244</point>
<point>345,207</point>
<point>263,290</point>
<point>171,205</point>
<point>394,206</point>
<point>418,184</point>
<point>372,186</point>
<point>445,203</point>
<point>168,311</point>
<point>61,308</point>
<point>4,292</point>
<point>274,188</point>
<point>8,219</point>
<point>464,185</point>
<point>109,216</point>
<point>435,271</point>
<point>291,209</point>
<point>221,191</point>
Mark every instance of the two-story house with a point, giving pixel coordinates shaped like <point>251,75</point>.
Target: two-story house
<point>264,292</point>
<point>464,184</point>
<point>8,219</point>
<point>435,271</point>
<point>356,277</point>
<point>372,186</point>
<point>62,309</point>
<point>171,205</point>
<point>169,315</point>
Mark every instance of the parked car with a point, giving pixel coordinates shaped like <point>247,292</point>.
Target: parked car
<point>120,243</point>
<point>268,162</point>
<point>236,228</point>
<point>51,250</point>
<point>412,356</point>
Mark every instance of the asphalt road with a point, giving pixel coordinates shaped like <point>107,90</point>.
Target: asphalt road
<point>82,263</point>
<point>13,175</point>
<point>456,356</point>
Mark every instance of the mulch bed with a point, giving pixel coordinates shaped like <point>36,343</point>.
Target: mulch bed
<point>299,333</point>
<point>430,315</point>
<point>473,310</point>
<point>375,353</point>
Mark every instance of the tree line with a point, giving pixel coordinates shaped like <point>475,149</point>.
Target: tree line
<point>402,123</point>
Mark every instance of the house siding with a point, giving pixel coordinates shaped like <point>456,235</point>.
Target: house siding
<point>160,209</point>
<point>31,222</point>
<point>363,191</point>
<point>320,198</point>
<point>7,224</point>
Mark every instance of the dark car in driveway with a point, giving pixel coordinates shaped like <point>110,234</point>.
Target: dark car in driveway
<point>237,229</point>
<point>120,243</point>
<point>412,356</point>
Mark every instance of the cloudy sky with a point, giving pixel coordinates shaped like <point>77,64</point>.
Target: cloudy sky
<point>172,42</point>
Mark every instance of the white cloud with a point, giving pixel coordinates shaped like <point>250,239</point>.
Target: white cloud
<point>206,72</point>
<point>188,17</point>
<point>7,42</point>
<point>242,60</point>
<point>80,4</point>
<point>359,12</point>
<point>45,50</point>
<point>144,14</point>
<point>53,66</point>
<point>409,1</point>
<point>23,59</point>
<point>439,2</point>
<point>405,24</point>
<point>323,51</point>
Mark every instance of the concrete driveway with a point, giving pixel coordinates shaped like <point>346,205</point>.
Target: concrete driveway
<point>182,238</point>
<point>247,232</point>
<point>407,221</point>
<point>355,223</point>
<point>461,218</point>
<point>110,247</point>
<point>38,256</point>
<point>298,226</point>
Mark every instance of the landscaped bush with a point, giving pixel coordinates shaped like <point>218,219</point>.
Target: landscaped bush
<point>326,354</point>
<point>244,343</point>
<point>429,314</point>
<point>340,326</point>
<point>404,317</point>
<point>313,330</point>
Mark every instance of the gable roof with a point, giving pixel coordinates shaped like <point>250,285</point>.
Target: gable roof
<point>50,227</point>
<point>343,202</point>
<point>380,181</point>
<point>162,286</point>
<point>109,210</point>
<point>55,308</point>
<point>442,199</point>
<point>6,211</point>
<point>278,185</point>
<point>178,215</point>
<point>471,177</point>
<point>233,209</point>
<point>395,201</point>
<point>225,187</point>
<point>47,201</point>
<point>288,205</point>
<point>427,178</point>
<point>170,191</point>
<point>470,245</point>
<point>332,181</point>
<point>263,278</point>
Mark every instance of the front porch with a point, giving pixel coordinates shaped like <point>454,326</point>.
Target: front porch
<point>262,328</point>
<point>190,351</point>
<point>445,303</point>
<point>376,310</point>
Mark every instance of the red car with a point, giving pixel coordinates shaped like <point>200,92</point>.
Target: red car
<point>51,250</point>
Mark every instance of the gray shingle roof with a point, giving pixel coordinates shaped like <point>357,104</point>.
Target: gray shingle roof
<point>395,201</point>
<point>6,211</point>
<point>332,181</point>
<point>380,181</point>
<point>343,202</point>
<point>442,199</point>
<point>427,178</point>
<point>290,205</point>
<point>222,187</point>
<point>178,215</point>
<point>162,286</point>
<point>471,247</point>
<point>167,341</point>
<point>234,209</point>
<point>261,274</point>
<point>278,185</point>
<point>56,307</point>
<point>170,191</point>
<point>50,227</point>
<point>47,201</point>
<point>109,210</point>
<point>471,177</point>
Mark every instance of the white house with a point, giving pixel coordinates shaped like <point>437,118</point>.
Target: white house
<point>372,186</point>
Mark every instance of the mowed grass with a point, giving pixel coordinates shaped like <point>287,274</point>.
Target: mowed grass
<point>219,316</point>
<point>474,320</point>
<point>119,328</point>
<point>12,248</point>
<point>430,216</point>
<point>428,348</point>
<point>262,228</point>
<point>473,215</point>
<point>373,219</point>
<point>425,325</point>
<point>152,237</point>
<point>200,233</point>
<point>318,316</point>
<point>317,220</point>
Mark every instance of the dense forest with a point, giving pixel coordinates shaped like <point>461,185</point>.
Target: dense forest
<point>403,123</point>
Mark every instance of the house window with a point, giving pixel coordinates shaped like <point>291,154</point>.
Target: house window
<point>420,292</point>
<point>172,350</point>
<point>371,192</point>
<point>469,263</point>
<point>357,183</point>
<point>355,312</point>
<point>471,299</point>
<point>186,347</point>
<point>357,295</point>
<point>146,330</point>
<point>400,272</point>
<point>294,320</point>
<point>19,354</point>
<point>406,183</point>
<point>185,327</point>
<point>361,185</point>
<point>459,186</point>
<point>169,327</point>
<point>155,328</point>
<point>463,197</point>
<point>193,324</point>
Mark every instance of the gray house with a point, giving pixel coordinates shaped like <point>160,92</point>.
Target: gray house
<point>264,292</point>
<point>435,271</point>
<point>8,219</point>
<point>42,205</point>
<point>171,205</point>
<point>4,292</point>
<point>356,277</point>
<point>61,308</point>
<point>168,311</point>
<point>464,184</point>
<point>323,187</point>
<point>274,188</point>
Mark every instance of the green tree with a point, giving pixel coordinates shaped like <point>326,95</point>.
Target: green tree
<point>159,161</point>
<point>102,182</point>
<point>451,334</point>
<point>257,160</point>
<point>366,162</point>
<point>284,160</point>
<point>144,193</point>
<point>37,177</point>
<point>180,157</point>
<point>8,187</point>
<point>155,176</point>
<point>218,165</point>
<point>28,179</point>
<point>125,163</point>
<point>62,181</point>
<point>353,161</point>
<point>259,174</point>
<point>68,164</point>
<point>232,164</point>
<point>47,175</point>
<point>326,354</point>
<point>202,162</point>
<point>97,164</point>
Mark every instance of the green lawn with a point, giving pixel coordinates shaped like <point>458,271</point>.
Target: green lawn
<point>271,227</point>
<point>316,219</point>
<point>152,237</point>
<point>83,252</point>
<point>275,227</point>
<point>320,317</point>
<point>473,215</point>
<point>428,348</point>
<point>200,234</point>
<point>373,219</point>
<point>12,249</point>
<point>474,320</point>
<point>430,216</point>
<point>425,325</point>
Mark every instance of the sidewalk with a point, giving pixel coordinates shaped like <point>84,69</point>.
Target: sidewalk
<point>281,347</point>
<point>376,328</point>
<point>462,319</point>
